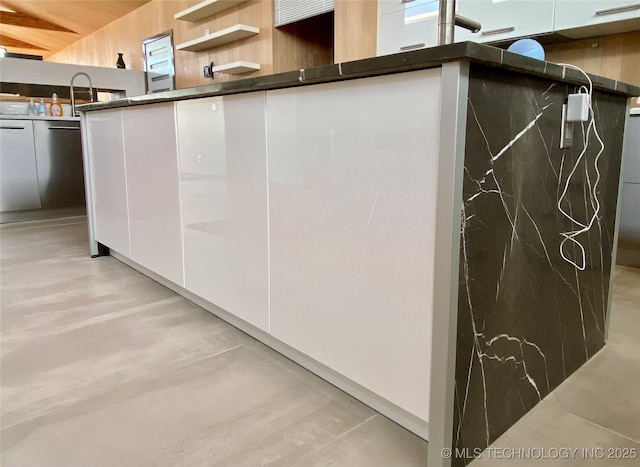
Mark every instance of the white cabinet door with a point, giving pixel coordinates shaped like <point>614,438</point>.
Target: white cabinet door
<point>577,13</point>
<point>413,25</point>
<point>389,6</point>
<point>152,184</point>
<point>390,30</point>
<point>223,173</point>
<point>406,26</point>
<point>352,193</point>
<point>420,25</point>
<point>18,175</point>
<point>108,182</point>
<point>505,19</point>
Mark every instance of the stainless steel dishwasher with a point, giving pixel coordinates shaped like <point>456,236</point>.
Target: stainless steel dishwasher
<point>59,164</point>
<point>629,232</point>
<point>18,175</point>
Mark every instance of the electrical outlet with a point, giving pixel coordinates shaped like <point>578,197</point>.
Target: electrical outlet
<point>208,71</point>
<point>566,130</point>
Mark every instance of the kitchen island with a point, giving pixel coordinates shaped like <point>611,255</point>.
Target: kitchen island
<point>393,224</point>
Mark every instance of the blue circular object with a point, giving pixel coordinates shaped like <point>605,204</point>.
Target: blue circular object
<point>528,48</point>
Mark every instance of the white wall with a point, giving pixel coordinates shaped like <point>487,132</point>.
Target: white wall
<point>18,70</point>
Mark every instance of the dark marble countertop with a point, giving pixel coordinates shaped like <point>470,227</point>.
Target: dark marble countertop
<point>388,64</point>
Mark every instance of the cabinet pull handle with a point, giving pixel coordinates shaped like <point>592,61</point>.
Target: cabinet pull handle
<point>620,9</point>
<point>406,1</point>
<point>12,128</point>
<point>412,46</point>
<point>64,128</point>
<point>498,31</point>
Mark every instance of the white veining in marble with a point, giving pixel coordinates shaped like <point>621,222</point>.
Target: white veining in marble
<point>528,319</point>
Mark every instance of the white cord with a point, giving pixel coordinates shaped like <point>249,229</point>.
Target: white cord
<point>571,235</point>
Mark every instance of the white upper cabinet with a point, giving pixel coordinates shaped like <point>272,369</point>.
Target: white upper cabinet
<point>578,13</point>
<point>505,19</point>
<point>420,19</point>
<point>413,24</point>
<point>406,26</point>
<point>389,6</point>
<point>390,28</point>
<point>291,11</point>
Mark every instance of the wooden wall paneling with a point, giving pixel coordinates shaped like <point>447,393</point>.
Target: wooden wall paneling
<point>42,39</point>
<point>356,29</point>
<point>299,46</point>
<point>8,41</point>
<point>28,21</point>
<point>622,51</point>
<point>125,35</point>
<point>304,44</point>
<point>616,56</point>
<point>122,35</point>
<point>81,18</point>
<point>254,49</point>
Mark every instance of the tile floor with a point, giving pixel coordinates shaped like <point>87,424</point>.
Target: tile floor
<point>101,366</point>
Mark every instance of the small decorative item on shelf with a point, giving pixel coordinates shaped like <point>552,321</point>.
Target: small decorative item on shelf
<point>56,108</point>
<point>120,62</point>
<point>33,108</point>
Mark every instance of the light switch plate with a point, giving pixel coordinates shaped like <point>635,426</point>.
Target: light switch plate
<point>207,71</point>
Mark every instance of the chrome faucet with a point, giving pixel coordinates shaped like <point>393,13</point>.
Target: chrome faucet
<point>73,99</point>
<point>448,20</point>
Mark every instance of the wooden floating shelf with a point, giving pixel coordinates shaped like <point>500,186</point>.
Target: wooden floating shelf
<point>234,33</point>
<point>205,9</point>
<point>236,68</point>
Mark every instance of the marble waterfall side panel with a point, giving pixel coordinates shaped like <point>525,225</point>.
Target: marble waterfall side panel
<point>527,318</point>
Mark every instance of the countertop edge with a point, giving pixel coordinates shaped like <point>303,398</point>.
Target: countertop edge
<point>39,118</point>
<point>388,64</point>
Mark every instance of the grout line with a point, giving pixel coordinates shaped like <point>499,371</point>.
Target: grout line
<point>355,427</point>
<point>216,354</point>
<point>610,430</point>
<point>581,417</point>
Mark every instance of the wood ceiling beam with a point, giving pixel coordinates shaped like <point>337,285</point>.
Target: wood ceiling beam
<point>6,41</point>
<point>28,21</point>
